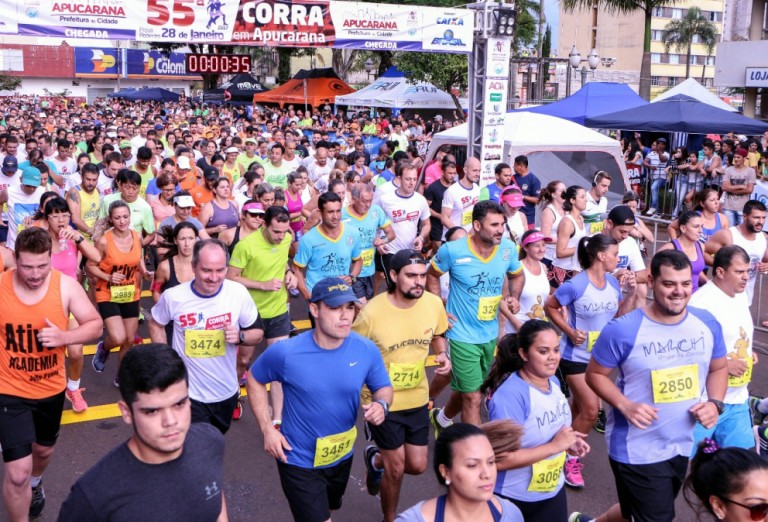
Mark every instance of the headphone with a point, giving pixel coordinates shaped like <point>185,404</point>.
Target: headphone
<point>597,175</point>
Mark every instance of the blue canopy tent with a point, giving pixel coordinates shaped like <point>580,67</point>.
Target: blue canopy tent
<point>121,93</point>
<point>594,99</point>
<point>153,94</point>
<point>678,114</point>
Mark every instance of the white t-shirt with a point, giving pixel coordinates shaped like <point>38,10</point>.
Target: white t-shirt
<point>630,256</point>
<point>738,332</point>
<point>20,206</point>
<point>461,200</point>
<point>212,369</point>
<point>382,190</point>
<point>105,184</point>
<point>8,181</point>
<point>405,214</point>
<point>595,208</point>
<point>756,250</point>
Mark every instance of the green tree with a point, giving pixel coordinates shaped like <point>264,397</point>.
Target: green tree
<point>681,33</point>
<point>445,71</point>
<point>629,6</point>
<point>9,82</point>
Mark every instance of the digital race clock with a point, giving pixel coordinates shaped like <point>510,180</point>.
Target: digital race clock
<point>218,63</point>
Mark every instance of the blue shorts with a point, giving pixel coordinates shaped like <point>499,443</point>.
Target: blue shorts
<point>733,428</point>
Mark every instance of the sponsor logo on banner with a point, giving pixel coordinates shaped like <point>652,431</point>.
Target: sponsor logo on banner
<point>71,19</point>
<point>495,107</point>
<point>450,31</point>
<point>198,21</point>
<point>284,23</point>
<point>498,57</point>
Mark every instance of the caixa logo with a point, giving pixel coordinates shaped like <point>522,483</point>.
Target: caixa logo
<point>450,20</point>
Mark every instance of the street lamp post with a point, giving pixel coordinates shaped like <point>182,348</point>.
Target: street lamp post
<point>369,68</point>
<point>574,60</point>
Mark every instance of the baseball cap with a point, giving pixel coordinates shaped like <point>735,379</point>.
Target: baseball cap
<point>125,144</point>
<point>10,164</point>
<point>251,140</point>
<point>183,162</point>
<point>159,126</point>
<point>232,150</point>
<point>184,201</point>
<point>534,237</point>
<point>513,199</point>
<point>332,291</point>
<point>253,208</point>
<point>661,140</point>
<point>30,176</point>
<point>622,215</point>
<point>405,257</point>
<point>210,172</point>
<point>111,134</point>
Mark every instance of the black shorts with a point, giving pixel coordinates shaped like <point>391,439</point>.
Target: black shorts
<point>217,414</point>
<point>363,287</point>
<point>554,508</point>
<point>313,493</point>
<point>3,232</point>
<point>279,326</point>
<point>125,310</point>
<point>27,421</point>
<point>572,368</point>
<point>647,492</point>
<point>402,427</point>
<point>382,262</point>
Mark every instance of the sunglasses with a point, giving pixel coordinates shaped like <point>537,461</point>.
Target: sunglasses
<point>756,511</point>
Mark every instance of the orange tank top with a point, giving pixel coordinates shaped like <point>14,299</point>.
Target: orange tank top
<point>126,263</point>
<point>27,368</point>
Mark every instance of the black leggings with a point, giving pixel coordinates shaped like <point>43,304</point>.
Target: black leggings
<point>553,509</point>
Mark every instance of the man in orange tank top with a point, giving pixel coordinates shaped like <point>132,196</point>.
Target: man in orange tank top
<point>35,304</point>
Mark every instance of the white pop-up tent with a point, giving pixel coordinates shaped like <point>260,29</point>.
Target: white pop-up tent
<point>557,149</point>
<point>393,91</point>
<point>697,91</point>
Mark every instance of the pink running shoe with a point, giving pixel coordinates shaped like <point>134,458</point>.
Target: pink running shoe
<point>573,475</point>
<point>76,398</point>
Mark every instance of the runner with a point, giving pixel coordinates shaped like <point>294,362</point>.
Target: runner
<point>118,283</point>
<point>650,422</point>
<point>689,242</point>
<point>401,440</point>
<point>371,223</point>
<point>35,301</point>
<point>536,287</point>
<point>220,214</point>
<point>597,203</point>
<point>434,194</point>
<point>332,249</point>
<point>167,461</point>
<point>68,247</point>
<point>260,263</point>
<point>478,266</point>
<point>522,387</point>
<point>322,371</point>
<point>183,205</point>
<point>210,317</point>
<point>251,219</point>
<point>503,173</point>
<point>142,221</point>
<point>619,225</point>
<point>725,298</point>
<point>571,229</point>
<point>460,198</point>
<point>580,308</point>
<point>23,200</point>
<point>84,201</point>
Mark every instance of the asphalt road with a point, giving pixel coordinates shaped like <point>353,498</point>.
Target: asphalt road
<point>252,486</point>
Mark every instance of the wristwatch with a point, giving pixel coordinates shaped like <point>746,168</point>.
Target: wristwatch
<point>719,405</point>
<point>241,335</point>
<point>384,405</point>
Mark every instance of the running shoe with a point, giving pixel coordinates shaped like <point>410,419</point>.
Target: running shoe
<point>37,503</point>
<point>579,517</point>
<point>238,413</point>
<point>99,360</point>
<point>757,416</point>
<point>244,378</point>
<point>372,476</point>
<point>600,422</point>
<point>761,439</point>
<point>573,475</point>
<point>651,211</point>
<point>116,383</point>
<point>75,397</point>
<point>433,413</point>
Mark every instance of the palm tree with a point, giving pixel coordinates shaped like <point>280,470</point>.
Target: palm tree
<point>681,33</point>
<point>629,6</point>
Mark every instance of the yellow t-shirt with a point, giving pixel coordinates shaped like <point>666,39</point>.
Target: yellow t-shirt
<point>404,348</point>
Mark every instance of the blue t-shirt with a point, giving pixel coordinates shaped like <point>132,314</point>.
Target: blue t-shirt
<point>589,309</point>
<point>325,257</point>
<point>476,286</point>
<point>638,346</point>
<point>530,186</point>
<point>367,226</point>
<point>152,188</point>
<point>321,387</point>
<point>541,415</point>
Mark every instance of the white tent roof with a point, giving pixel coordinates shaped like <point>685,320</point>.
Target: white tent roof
<point>530,133</point>
<point>694,89</point>
<point>392,90</point>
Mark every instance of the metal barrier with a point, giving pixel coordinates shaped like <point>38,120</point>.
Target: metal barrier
<point>759,298</point>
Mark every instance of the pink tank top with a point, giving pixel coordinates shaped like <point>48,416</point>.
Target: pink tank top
<point>293,206</point>
<point>65,261</point>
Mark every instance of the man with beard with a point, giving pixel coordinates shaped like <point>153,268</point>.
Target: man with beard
<point>667,355</point>
<point>84,200</point>
<point>401,440</point>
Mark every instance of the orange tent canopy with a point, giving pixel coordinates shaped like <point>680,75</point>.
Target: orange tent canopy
<point>315,87</point>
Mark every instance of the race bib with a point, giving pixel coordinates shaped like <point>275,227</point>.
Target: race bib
<point>332,448</point>
<point>367,256</point>
<point>466,217</point>
<point>204,343</point>
<point>596,228</point>
<point>591,340</point>
<point>743,379</point>
<point>488,307</point>
<point>406,375</point>
<point>546,474</point>
<point>677,384</point>
<point>122,293</point>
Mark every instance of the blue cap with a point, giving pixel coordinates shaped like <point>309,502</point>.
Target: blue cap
<point>10,164</point>
<point>333,291</point>
<point>31,176</point>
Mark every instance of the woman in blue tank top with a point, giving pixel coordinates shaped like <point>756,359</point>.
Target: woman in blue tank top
<point>689,243</point>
